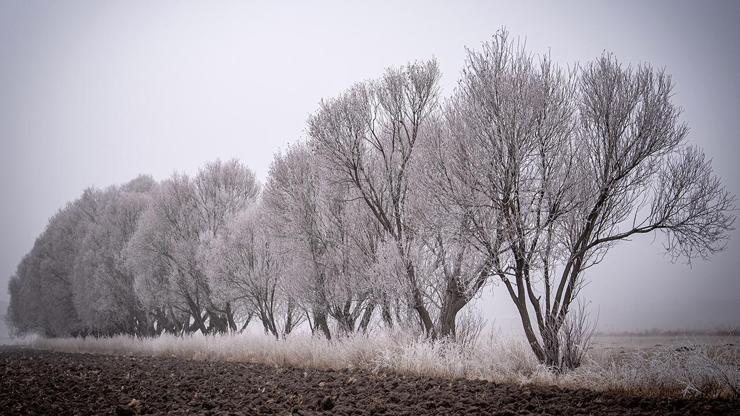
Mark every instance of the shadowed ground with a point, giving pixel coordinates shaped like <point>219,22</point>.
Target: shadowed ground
<point>40,382</point>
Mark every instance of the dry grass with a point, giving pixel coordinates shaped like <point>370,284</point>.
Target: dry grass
<point>674,371</point>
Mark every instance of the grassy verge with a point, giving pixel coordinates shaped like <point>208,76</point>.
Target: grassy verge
<point>689,370</point>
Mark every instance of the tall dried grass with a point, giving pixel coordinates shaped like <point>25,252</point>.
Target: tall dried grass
<point>684,371</point>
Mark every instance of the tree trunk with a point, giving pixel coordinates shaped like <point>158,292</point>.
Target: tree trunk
<point>288,322</point>
<point>217,323</point>
<point>199,321</point>
<point>366,316</point>
<point>451,305</point>
<point>424,317</point>
<point>321,322</point>
<point>529,331</point>
<point>311,324</point>
<point>385,312</point>
<point>266,323</point>
<point>345,319</point>
<point>344,324</point>
<point>230,317</point>
<point>551,347</point>
<point>246,322</point>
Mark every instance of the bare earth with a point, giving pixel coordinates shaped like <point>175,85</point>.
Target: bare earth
<point>39,382</point>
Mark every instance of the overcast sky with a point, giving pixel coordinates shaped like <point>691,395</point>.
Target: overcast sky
<point>94,93</point>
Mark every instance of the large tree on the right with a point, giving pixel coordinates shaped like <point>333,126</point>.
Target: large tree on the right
<point>551,168</point>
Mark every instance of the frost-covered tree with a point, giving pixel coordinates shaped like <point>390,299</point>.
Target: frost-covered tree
<point>43,283</point>
<point>453,270</point>
<point>378,138</point>
<point>331,242</point>
<point>634,174</point>
<point>549,169</point>
<point>103,287</point>
<point>247,268</point>
<point>369,136</point>
<point>25,313</point>
<point>348,237</point>
<point>502,163</point>
<point>165,252</point>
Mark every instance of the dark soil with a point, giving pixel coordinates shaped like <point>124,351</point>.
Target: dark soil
<point>52,383</point>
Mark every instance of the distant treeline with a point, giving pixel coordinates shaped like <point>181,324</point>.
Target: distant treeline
<point>655,332</point>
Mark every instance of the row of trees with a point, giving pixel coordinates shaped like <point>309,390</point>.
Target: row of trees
<point>398,209</point>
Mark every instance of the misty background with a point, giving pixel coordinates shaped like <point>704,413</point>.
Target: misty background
<point>95,93</point>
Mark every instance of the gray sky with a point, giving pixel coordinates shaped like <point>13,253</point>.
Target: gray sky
<point>94,93</point>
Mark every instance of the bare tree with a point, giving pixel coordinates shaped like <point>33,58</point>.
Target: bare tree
<point>636,175</point>
<point>104,295</point>
<point>368,136</point>
<point>330,244</point>
<point>246,268</point>
<point>290,196</point>
<point>502,168</point>
<point>165,252</point>
<point>551,171</point>
<point>44,282</point>
<point>454,268</point>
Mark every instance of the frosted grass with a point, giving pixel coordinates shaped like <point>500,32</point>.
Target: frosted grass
<point>684,371</point>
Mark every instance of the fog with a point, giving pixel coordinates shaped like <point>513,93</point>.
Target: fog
<point>95,93</point>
